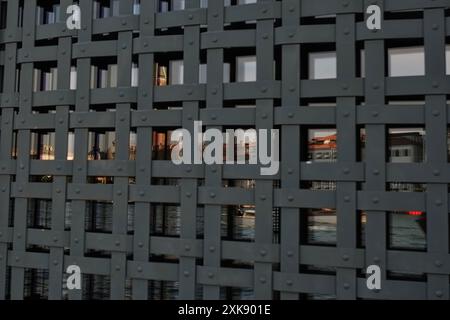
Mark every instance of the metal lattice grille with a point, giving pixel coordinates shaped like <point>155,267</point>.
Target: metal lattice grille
<point>82,180</point>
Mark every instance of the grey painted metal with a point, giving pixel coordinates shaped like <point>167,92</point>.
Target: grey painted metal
<point>278,269</point>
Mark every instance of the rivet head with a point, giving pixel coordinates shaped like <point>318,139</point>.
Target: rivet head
<point>376,172</point>
<point>438,263</point>
<point>435,26</point>
<point>346,171</point>
<point>439,293</point>
<point>188,169</point>
<point>345,257</point>
<point>141,193</point>
<point>290,198</point>
<point>188,194</point>
<point>290,171</point>
<point>210,275</point>
<point>347,199</point>
<point>290,115</point>
<point>186,273</point>
<point>55,262</point>
<point>436,173</point>
<point>265,36</point>
<point>264,116</point>
<point>139,269</point>
<point>346,286</point>
<point>190,17</point>
<point>124,22</point>
<point>212,249</point>
<point>263,252</point>
<point>376,259</point>
<point>345,3</point>
<point>290,254</point>
<point>436,113</point>
<point>77,191</point>
<point>438,202</point>
<point>213,117</point>
<point>346,31</point>
<point>263,89</point>
<point>263,197</point>
<point>375,200</point>
<point>212,195</point>
<point>144,118</point>
<point>264,10</point>
<point>140,244</point>
<point>289,283</point>
<point>345,86</point>
<point>262,280</point>
<point>376,86</point>
<point>117,243</point>
<point>119,192</point>
<point>346,114</point>
<point>117,268</point>
<point>435,84</point>
<point>187,248</point>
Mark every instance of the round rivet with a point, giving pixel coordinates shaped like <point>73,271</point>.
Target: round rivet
<point>347,199</point>
<point>264,116</point>
<point>190,92</point>
<point>212,195</point>
<point>139,269</point>
<point>146,21</point>
<point>439,293</point>
<point>121,94</point>
<point>345,257</point>
<point>58,190</point>
<point>346,31</point>
<point>345,3</point>
<point>142,169</point>
<point>436,172</point>
<point>265,36</point>
<point>119,192</point>
<point>214,91</point>
<point>290,115</point>
<point>375,86</point>
<point>186,273</point>
<point>376,172</point>
<point>188,169</point>
<point>346,114</point>
<point>124,23</point>
<point>291,9</point>
<point>17,259</point>
<point>262,280</point>
<point>141,193</point>
<point>117,268</point>
<point>346,171</point>
<point>77,191</point>
<point>375,114</point>
<point>264,10</point>
<point>289,283</point>
<point>290,254</point>
<point>290,171</point>
<point>140,244</point>
<point>291,35</point>
<point>215,14</point>
<point>438,202</point>
<point>438,263</point>
<point>19,236</point>
<point>263,252</point>
<point>117,243</point>
<point>214,170</point>
<point>55,262</point>
<point>187,247</point>
<point>210,275</point>
<point>375,200</point>
<point>213,117</point>
<point>290,198</point>
<point>436,113</point>
<point>191,17</point>
<point>435,26</point>
<point>376,260</point>
<point>144,118</point>
<point>215,40</point>
<point>76,240</point>
<point>263,197</point>
<point>435,84</point>
<point>212,249</point>
<point>188,194</point>
<point>346,286</point>
<point>22,166</point>
<point>345,86</point>
<point>264,90</point>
